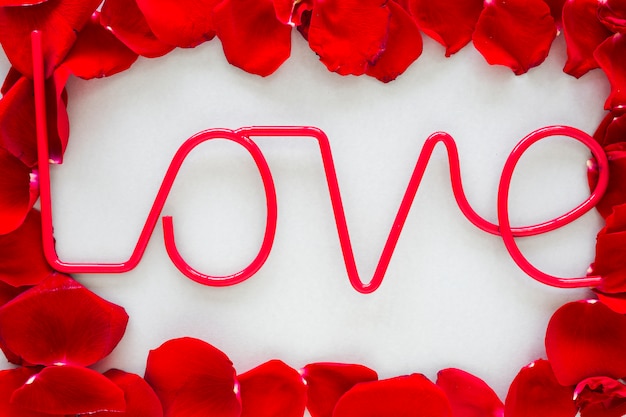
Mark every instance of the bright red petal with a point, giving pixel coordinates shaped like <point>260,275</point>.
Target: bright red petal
<point>58,20</point>
<point>616,192</point>
<point>556,9</point>
<point>469,396</point>
<point>141,401</point>
<point>19,190</point>
<point>69,390</point>
<point>601,397</point>
<point>349,35</point>
<point>611,56</point>
<point>450,22</point>
<point>612,129</point>
<point>327,382</point>
<point>290,12</point>
<point>252,37</point>
<point>535,392</point>
<point>616,302</point>
<point>21,254</point>
<point>98,53</point>
<point>272,390</point>
<point>586,339</point>
<point>613,14</point>
<point>61,322</point>
<point>404,46</point>
<point>404,396</point>
<point>184,23</point>
<point>193,378</point>
<point>126,21</point>
<point>583,33</point>
<point>515,33</point>
<point>10,380</point>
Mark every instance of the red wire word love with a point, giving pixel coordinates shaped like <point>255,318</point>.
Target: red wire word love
<point>244,137</point>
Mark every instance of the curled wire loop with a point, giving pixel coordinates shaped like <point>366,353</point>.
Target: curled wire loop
<point>244,137</point>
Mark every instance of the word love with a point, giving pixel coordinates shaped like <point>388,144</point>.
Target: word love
<point>245,136</point>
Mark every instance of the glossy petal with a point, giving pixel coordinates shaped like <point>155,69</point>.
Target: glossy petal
<point>290,12</point>
<point>252,37</point>
<point>69,390</point>
<point>601,397</point>
<point>98,53</point>
<point>586,339</point>
<point>193,379</point>
<point>327,382</point>
<point>469,396</point>
<point>18,192</point>
<point>272,389</point>
<point>126,21</point>
<point>184,23</point>
<point>404,396</point>
<point>611,56</point>
<point>515,33</point>
<point>583,33</point>
<point>10,380</point>
<point>612,13</point>
<point>141,401</point>
<point>17,120</point>
<point>535,392</point>
<point>450,22</point>
<point>61,322</point>
<point>59,20</point>
<point>21,254</point>
<point>404,46</point>
<point>349,35</point>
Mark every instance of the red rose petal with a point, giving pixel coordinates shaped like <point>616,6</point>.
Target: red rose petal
<point>69,390</point>
<point>586,339</point>
<point>613,14</point>
<point>193,378</point>
<point>583,33</point>
<point>535,392</point>
<point>126,21</point>
<point>556,9</point>
<point>610,262</point>
<point>10,380</point>
<point>404,46</point>
<point>141,401</point>
<point>601,397</point>
<point>469,396</point>
<point>290,12</point>
<point>349,35</point>
<point>61,322</point>
<point>615,193</point>
<point>327,382</point>
<point>450,22</point>
<point>616,302</point>
<point>58,20</point>
<point>98,53</point>
<point>272,390</point>
<point>515,33</point>
<point>612,129</point>
<point>252,37</point>
<point>18,192</point>
<point>22,260</point>
<point>611,56</point>
<point>184,23</point>
<point>4,3</point>
<point>404,396</point>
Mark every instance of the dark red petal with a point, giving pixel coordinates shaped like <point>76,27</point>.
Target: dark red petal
<point>290,12</point>
<point>193,378</point>
<point>349,35</point>
<point>612,129</point>
<point>556,9</point>
<point>98,53</point>
<point>184,23</point>
<point>61,322</point>
<point>404,45</point>
<point>403,396</point>
<point>10,380</point>
<point>9,292</point>
<point>616,192</point>
<point>17,120</point>
<point>535,392</point>
<point>4,3</point>
<point>601,397</point>
<point>450,22</point>
<point>616,302</point>
<point>613,14</point>
<point>327,382</point>
<point>19,190</point>
<point>272,389</point>
<point>69,390</point>
<point>611,56</point>
<point>126,21</point>
<point>141,401</point>
<point>469,396</point>
<point>583,33</point>
<point>58,20</point>
<point>515,33</point>
<point>586,339</point>
<point>252,37</point>
<point>22,260</point>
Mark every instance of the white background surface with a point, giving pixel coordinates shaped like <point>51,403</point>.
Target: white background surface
<point>452,297</point>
